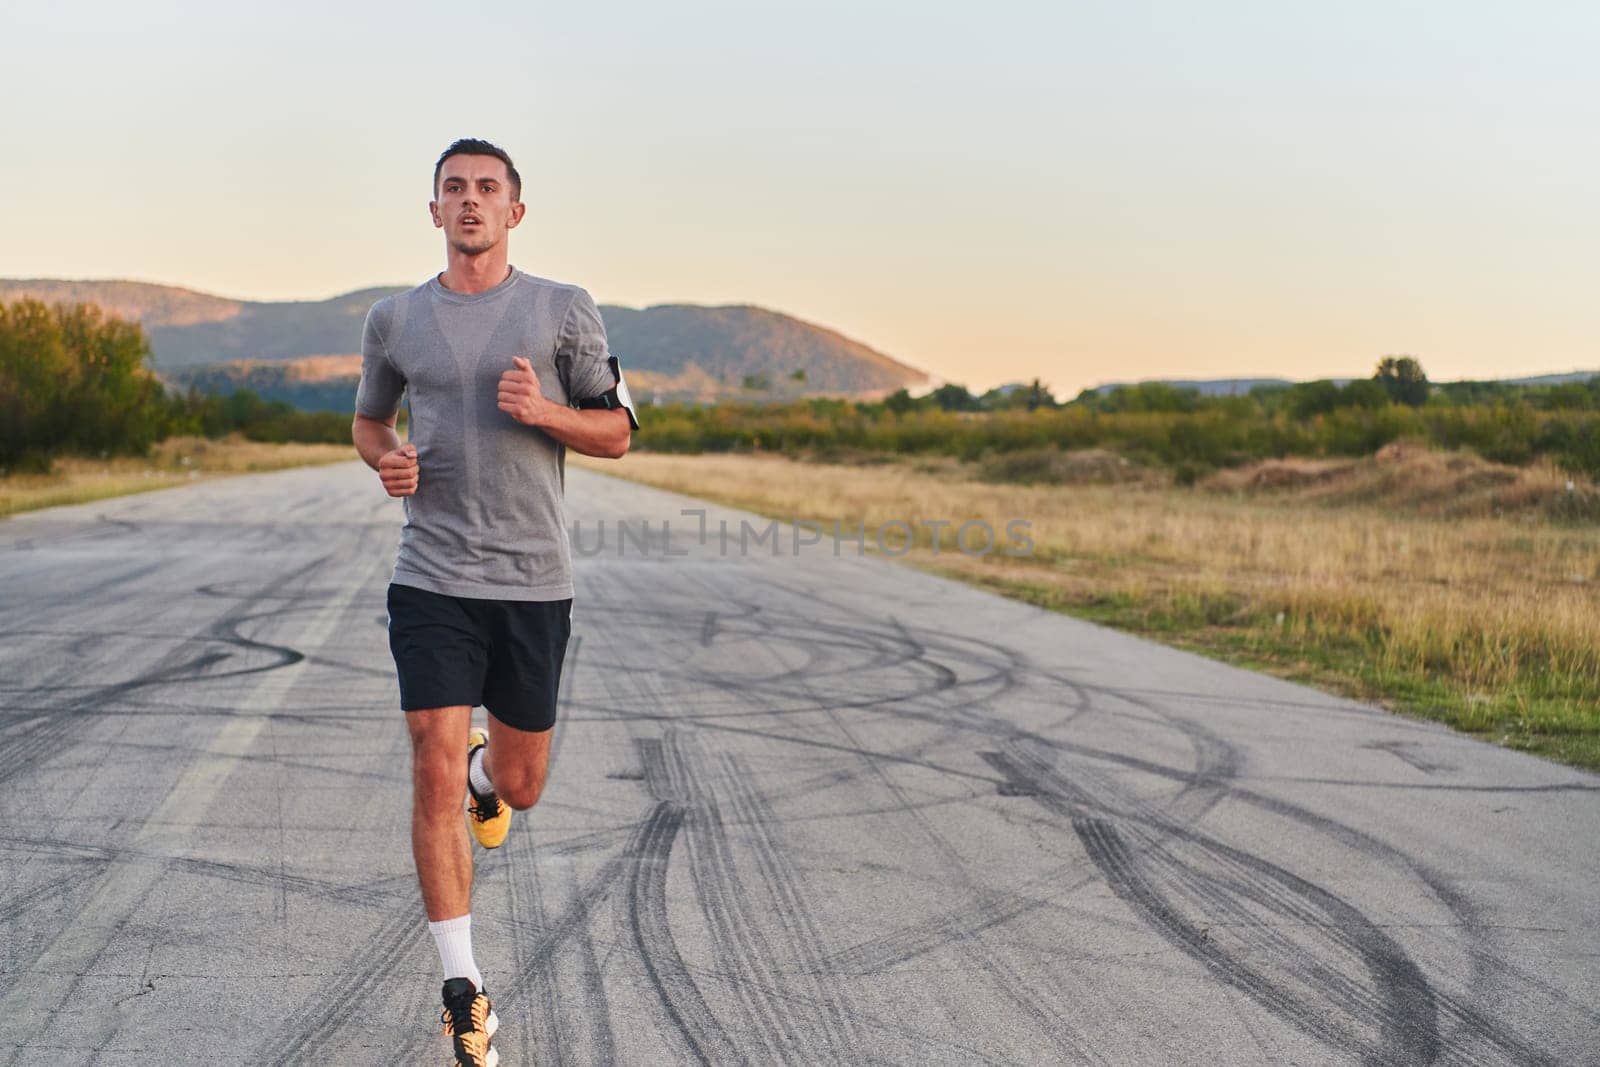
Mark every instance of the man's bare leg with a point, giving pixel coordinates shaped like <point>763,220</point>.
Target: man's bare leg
<point>443,855</point>
<point>439,841</point>
<point>517,762</point>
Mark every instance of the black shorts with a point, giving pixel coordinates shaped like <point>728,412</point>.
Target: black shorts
<point>503,654</point>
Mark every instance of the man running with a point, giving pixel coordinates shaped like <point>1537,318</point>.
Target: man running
<point>504,372</point>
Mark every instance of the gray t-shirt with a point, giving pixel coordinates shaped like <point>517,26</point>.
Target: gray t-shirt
<point>487,519</point>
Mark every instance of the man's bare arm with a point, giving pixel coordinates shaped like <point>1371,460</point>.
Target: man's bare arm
<point>602,432</point>
<point>380,447</point>
<point>593,432</point>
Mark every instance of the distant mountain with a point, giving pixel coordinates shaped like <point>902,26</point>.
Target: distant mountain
<point>1241,386</point>
<point>152,305</point>
<point>671,351</point>
<point>1554,379</point>
<point>1205,386</point>
<point>727,344</point>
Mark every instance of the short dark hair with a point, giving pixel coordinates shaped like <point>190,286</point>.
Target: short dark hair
<point>471,146</point>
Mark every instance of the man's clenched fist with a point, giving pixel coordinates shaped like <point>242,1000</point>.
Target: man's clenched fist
<point>519,393</point>
<point>398,469</point>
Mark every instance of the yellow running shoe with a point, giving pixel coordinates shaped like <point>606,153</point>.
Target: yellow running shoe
<point>490,820</point>
<point>470,1022</point>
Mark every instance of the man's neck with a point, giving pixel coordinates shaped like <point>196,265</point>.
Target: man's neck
<point>475,274</point>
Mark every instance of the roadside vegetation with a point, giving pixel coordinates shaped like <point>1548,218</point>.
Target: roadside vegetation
<point>82,417</point>
<point>76,383</point>
<point>1437,585</point>
<point>1159,425</point>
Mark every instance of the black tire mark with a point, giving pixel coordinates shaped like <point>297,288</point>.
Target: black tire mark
<point>1216,762</point>
<point>1178,862</point>
<point>1490,971</point>
<point>525,905</point>
<point>702,1034</point>
<point>319,1028</point>
<point>863,648</point>
<point>1406,752</point>
<point>950,714</point>
<point>595,998</point>
<point>59,729</point>
<point>900,647</point>
<point>1004,664</point>
<point>536,966</point>
<point>738,939</point>
<point>897,647</point>
<point>994,966</point>
<point>836,1015</point>
<point>18,903</point>
<point>1484,962</point>
<point>1399,998</point>
<point>1443,787</point>
<point>940,930</point>
<point>193,670</point>
<point>1002,667</point>
<point>106,585</point>
<point>1464,1018</point>
<point>905,943</point>
<point>1404,1039</point>
<point>384,893</point>
<point>1219,890</point>
<point>52,897</point>
<point>554,933</point>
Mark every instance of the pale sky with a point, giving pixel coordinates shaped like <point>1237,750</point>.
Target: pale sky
<point>1081,192</point>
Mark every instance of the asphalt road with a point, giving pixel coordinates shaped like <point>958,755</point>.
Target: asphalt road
<point>803,809</point>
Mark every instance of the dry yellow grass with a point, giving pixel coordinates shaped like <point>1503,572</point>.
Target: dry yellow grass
<point>176,461</point>
<point>1490,623</point>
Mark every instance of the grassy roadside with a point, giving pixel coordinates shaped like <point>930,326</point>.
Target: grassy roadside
<point>1488,621</point>
<point>176,461</point>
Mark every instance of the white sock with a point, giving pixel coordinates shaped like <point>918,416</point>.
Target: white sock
<point>477,775</point>
<point>454,940</point>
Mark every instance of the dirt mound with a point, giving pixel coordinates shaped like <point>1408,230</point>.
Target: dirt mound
<point>1277,474</point>
<point>1410,478</point>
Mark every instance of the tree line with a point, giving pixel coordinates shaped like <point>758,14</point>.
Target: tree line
<point>1165,425</point>
<point>1396,380</point>
<point>74,380</point>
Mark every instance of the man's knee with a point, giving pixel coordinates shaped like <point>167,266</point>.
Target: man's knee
<point>517,761</point>
<point>519,791</point>
<point>439,776</point>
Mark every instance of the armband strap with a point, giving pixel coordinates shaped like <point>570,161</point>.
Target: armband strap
<point>615,397</point>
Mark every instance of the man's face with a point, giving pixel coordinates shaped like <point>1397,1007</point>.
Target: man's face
<point>474,205</point>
